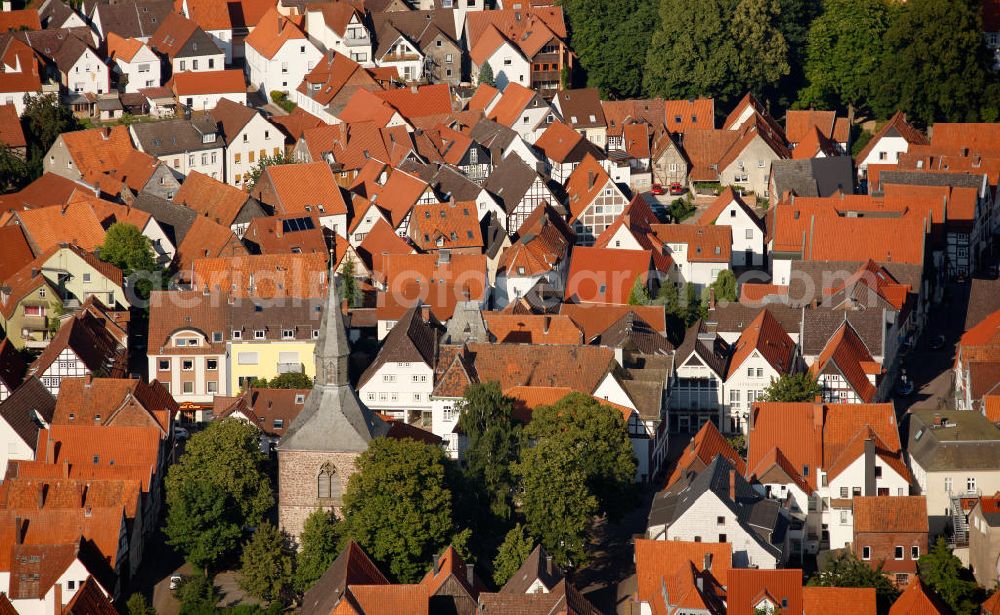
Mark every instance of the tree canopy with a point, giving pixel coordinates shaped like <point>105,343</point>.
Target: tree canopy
<point>792,388</point>
<point>398,507</point>
<point>202,521</point>
<point>846,570</point>
<point>638,295</point>
<point>944,574</point>
<point>724,287</point>
<point>762,55</point>
<point>227,456</point>
<point>516,548</point>
<point>319,540</point>
<point>935,65</point>
<point>486,76</point>
<point>14,171</point>
<point>266,565</point>
<point>43,120</point>
<point>493,442</point>
<point>288,380</point>
<point>128,249</point>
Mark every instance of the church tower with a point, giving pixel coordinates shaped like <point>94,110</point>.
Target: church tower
<point>316,455</point>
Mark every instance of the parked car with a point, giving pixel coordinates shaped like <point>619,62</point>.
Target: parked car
<point>181,433</point>
<point>676,188</point>
<point>175,581</point>
<point>905,387</point>
<point>657,189</point>
<point>936,342</point>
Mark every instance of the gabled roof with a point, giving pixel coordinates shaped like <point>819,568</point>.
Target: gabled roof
<point>25,406</point>
<point>683,115</point>
<point>89,600</point>
<point>334,75</point>
<point>273,31</point>
<point>514,100</point>
<point>580,368</point>
<point>896,126</point>
<point>747,587</point>
<point>216,200</point>
<point>563,599</point>
<point>208,82</point>
<point>289,234</point>
<point>766,337</point>
<point>123,49</point>
<point>704,446</point>
<point>529,28</point>
<point>306,187</point>
<point>263,276</point>
<point>15,252</point>
<point>800,123</point>
<point>585,183</point>
<point>847,354</point>
<point>428,279</point>
<point>132,18</point>
<point>533,329</point>
<point>543,241</point>
<point>581,108</point>
<point>392,190</point>
<point>670,571</point>
<point>92,343</point>
<point>411,340</point>
<point>706,244</point>
<point>711,214</point>
<point>99,401</point>
<point>918,599</point>
<point>450,225</point>
<point>11,133</point>
<point>510,181</point>
<point>16,54</point>
<point>179,37</point>
<point>420,27</point>
<point>831,600</point>
<point>380,242</point>
<point>207,239</point>
<point>536,567</point>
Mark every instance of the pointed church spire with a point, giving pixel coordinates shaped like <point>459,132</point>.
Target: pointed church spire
<point>332,348</point>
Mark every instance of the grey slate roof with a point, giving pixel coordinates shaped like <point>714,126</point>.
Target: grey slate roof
<point>178,136</point>
<point>333,418</point>
<point>631,332</point>
<point>510,181</point>
<point>932,178</point>
<point>814,176</point>
<point>968,442</point>
<point>984,299</point>
<point>133,19</point>
<point>466,325</point>
<point>709,348</point>
<point>735,317</point>
<point>411,340</point>
<point>20,409</point>
<point>419,27</point>
<point>444,179</point>
<point>818,275</point>
<point>174,219</point>
<point>537,567</point>
<point>819,325</point>
<point>759,516</point>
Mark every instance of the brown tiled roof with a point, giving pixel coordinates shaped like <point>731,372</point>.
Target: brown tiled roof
<point>900,515</point>
<point>23,407</point>
<point>102,526</point>
<point>351,567</point>
<point>898,125</point>
<point>15,252</point>
<point>619,113</point>
<point>705,244</point>
<point>533,329</point>
<point>581,368</point>
<point>593,318</point>
<point>114,401</point>
<point>543,241</point>
<point>766,336</point>
<point>12,365</point>
<point>91,341</point>
<point>207,240</point>
<point>427,100</point>
<point>704,446</point>
<point>10,127</point>
<point>848,353</point>
<point>411,340</point>
<point>747,586</point>
<point>445,225</point>
<point>271,275</point>
<point>35,568</point>
<point>800,123</point>
<point>606,275</point>
<point>581,108</point>
<point>210,197</point>
<point>47,227</point>
<point>638,219</point>
<point>563,599</point>
<point>559,141</point>
<point>172,34</point>
<point>15,53</point>
<point>275,235</point>
<point>89,600</point>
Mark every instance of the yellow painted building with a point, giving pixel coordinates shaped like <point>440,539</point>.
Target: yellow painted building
<point>267,341</point>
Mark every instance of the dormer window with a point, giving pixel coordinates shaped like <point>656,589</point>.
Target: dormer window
<point>208,138</point>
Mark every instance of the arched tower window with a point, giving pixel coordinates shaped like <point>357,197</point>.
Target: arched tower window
<point>328,485</point>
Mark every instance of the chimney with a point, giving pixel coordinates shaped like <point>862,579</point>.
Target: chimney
<point>700,583</point>
<point>437,564</point>
<point>546,322</point>
<point>937,419</point>
<point>870,465</point>
<point>57,604</point>
<point>732,484</point>
<point>42,492</point>
<point>708,562</point>
<point>591,178</point>
<point>414,89</point>
<point>278,226</point>
<point>65,467</point>
<point>50,448</point>
<point>88,381</point>
<point>470,574</point>
<point>711,298</point>
<point>548,565</point>
<point>88,512</point>
<point>20,525</point>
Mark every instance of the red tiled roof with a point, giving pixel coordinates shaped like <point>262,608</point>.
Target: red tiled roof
<point>897,124</point>
<point>670,568</point>
<point>208,82</point>
<point>10,127</point>
<point>801,123</point>
<point>704,446</point>
<point>512,102</point>
<point>747,587</point>
<point>427,100</point>
<point>270,236</point>
<point>207,239</point>
<point>705,244</point>
<point>483,96</point>
<point>114,401</point>
<point>273,30</point>
<point>380,242</point>
<point>332,75</point>
<point>15,252</point>
<point>916,600</point>
<point>451,225</point>
<point>765,336</point>
<point>901,514</point>
<point>606,275</point>
<point>210,197</point>
<point>692,113</point>
<point>727,196</point>
<point>849,354</point>
<point>297,122</point>
<point>46,227</point>
<point>558,141</point>
<point>424,278</point>
<point>753,294</point>
<point>392,190</point>
<point>173,33</point>
<point>264,276</point>
<point>584,184</point>
<point>847,426</point>
<point>832,600</point>
<point>123,49</point>
<point>22,19</point>
<point>533,329</point>
<point>27,79</point>
<point>312,185</point>
<point>593,318</point>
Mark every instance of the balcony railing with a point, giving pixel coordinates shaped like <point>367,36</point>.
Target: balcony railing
<point>290,368</point>
<point>357,41</point>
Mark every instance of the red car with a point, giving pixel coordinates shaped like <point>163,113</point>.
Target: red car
<point>676,188</point>
<point>657,189</point>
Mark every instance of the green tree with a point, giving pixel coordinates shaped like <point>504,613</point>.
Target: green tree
<point>596,438</point>
<point>493,443</point>
<point>197,595</point>
<point>792,387</point>
<point>558,506</point>
<point>639,295</point>
<point>398,507</point>
<point>762,55</point>
<point>128,249</point>
<point>319,540</point>
<point>943,573</point>
<point>794,21</point>
<point>43,120</point>
<point>613,64</point>
<point>138,605</point>
<point>724,287</point>
<point>202,521</point>
<point>253,176</point>
<point>516,548</point>
<point>349,284</point>
<point>676,317</point>
<point>14,171</point>
<point>935,65</point>
<point>692,53</point>
<point>486,75</point>
<point>844,47</point>
<point>846,570</point>
<point>227,456</point>
<point>693,307</point>
<point>288,380</point>
<point>266,565</point>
